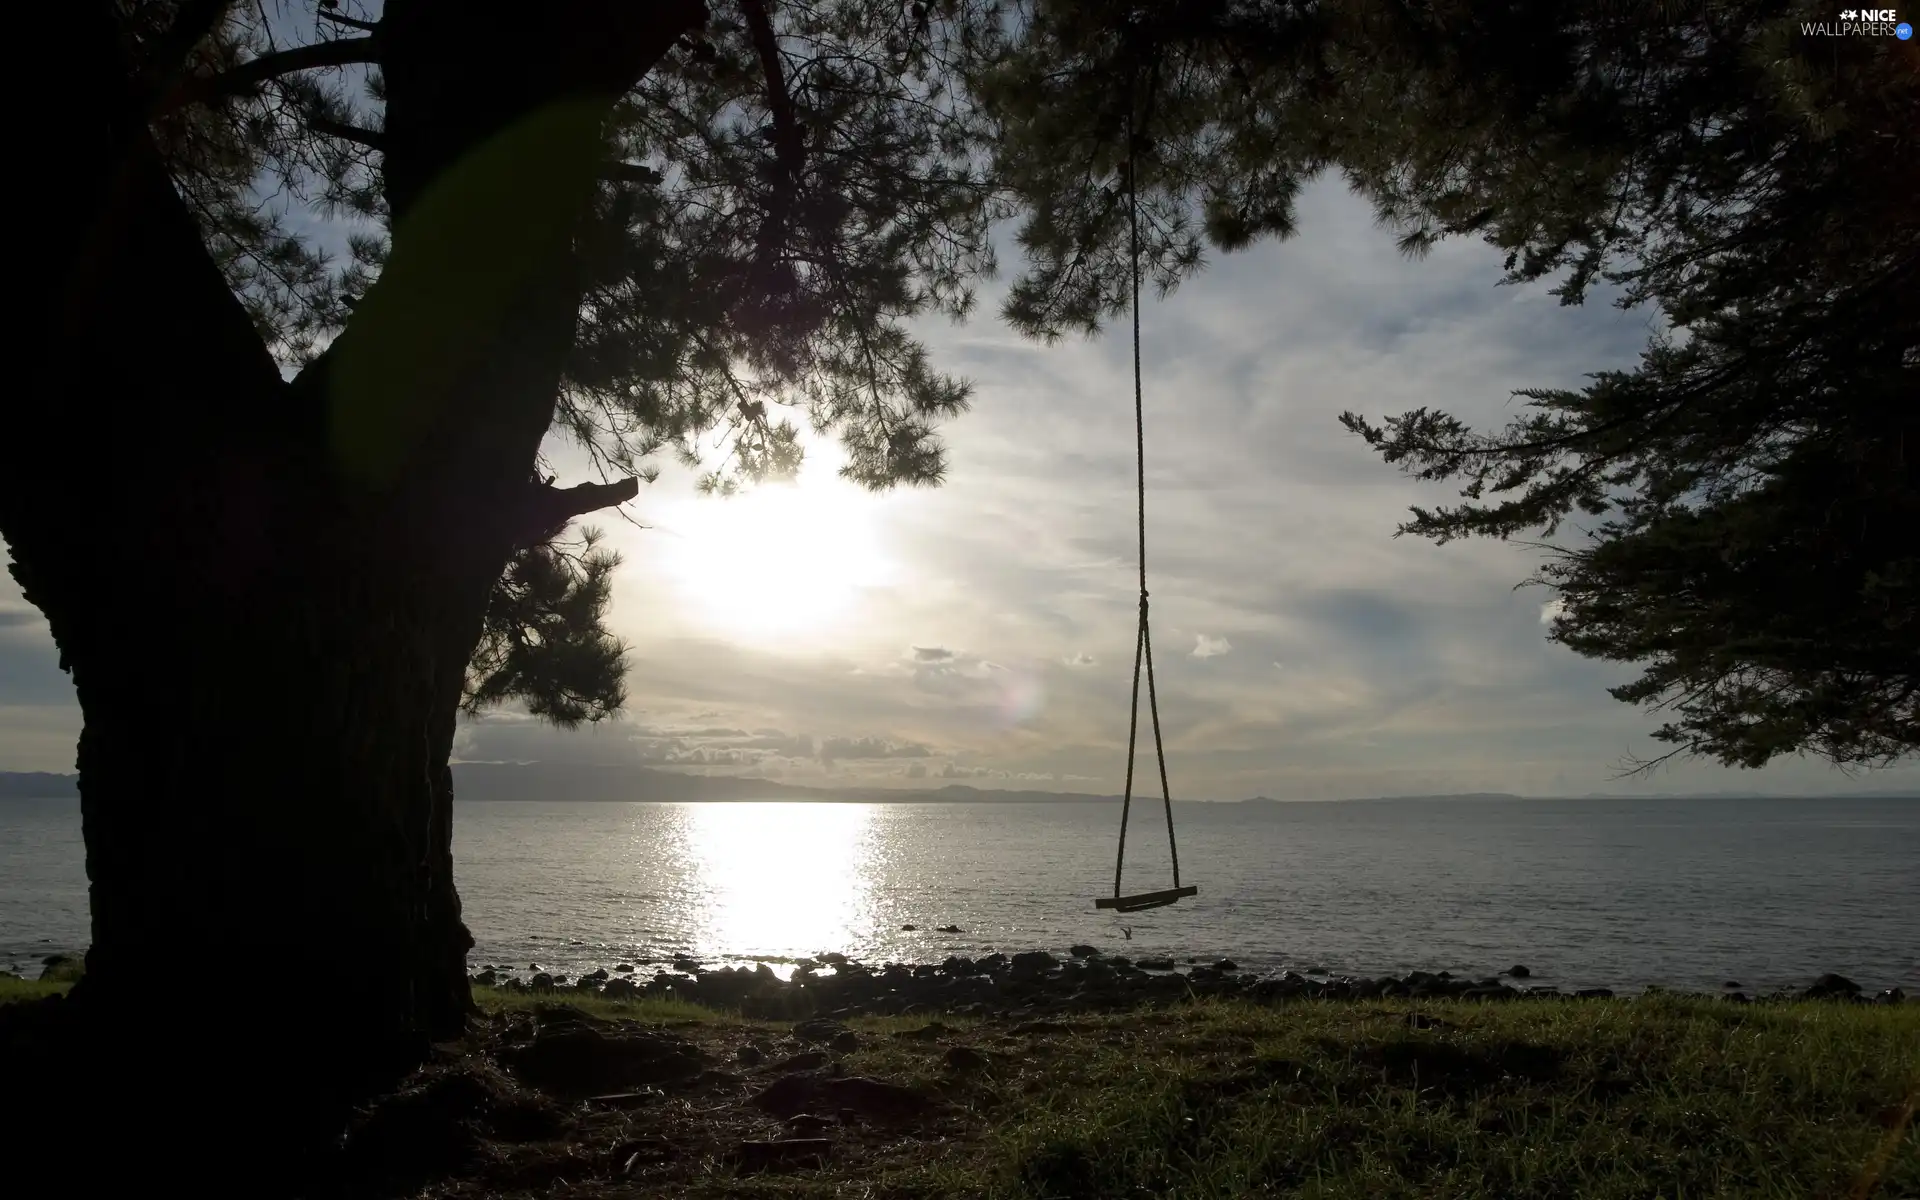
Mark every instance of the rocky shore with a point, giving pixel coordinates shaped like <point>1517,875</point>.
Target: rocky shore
<point>1036,983</point>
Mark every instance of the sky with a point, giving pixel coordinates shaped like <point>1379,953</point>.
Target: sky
<point>982,632</point>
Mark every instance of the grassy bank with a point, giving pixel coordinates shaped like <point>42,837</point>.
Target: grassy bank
<point>14,988</point>
<point>1659,1096</point>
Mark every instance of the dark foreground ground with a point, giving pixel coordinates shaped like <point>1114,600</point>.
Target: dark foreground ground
<point>1179,1096</point>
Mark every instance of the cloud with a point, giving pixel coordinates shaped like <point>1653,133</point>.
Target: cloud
<point>835,749</point>
<point>956,771</point>
<point>1552,610</point>
<point>1210,647</point>
<point>956,674</point>
<point>511,735</point>
<point>1360,664</point>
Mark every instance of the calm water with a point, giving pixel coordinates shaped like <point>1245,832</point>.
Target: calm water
<point>1618,893</point>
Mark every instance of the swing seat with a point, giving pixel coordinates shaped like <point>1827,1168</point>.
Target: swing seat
<point>1145,900</point>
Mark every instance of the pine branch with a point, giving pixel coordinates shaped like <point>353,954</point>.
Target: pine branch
<point>626,172</point>
<point>249,75</point>
<point>548,509</point>
<point>789,139</point>
<point>371,139</point>
<point>191,24</point>
<point>787,135</point>
<point>350,22</point>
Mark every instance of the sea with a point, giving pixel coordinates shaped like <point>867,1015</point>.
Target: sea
<point>1693,894</point>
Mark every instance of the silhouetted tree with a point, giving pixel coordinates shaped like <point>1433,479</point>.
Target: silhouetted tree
<point>323,522</point>
<point>1759,549</point>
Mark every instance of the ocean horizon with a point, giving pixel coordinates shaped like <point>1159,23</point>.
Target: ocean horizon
<point>1626,893</point>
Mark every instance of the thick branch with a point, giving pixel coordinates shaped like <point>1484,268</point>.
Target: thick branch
<point>329,127</point>
<point>455,82</point>
<point>548,508</point>
<point>191,24</point>
<point>626,172</point>
<point>788,146</point>
<point>789,139</point>
<point>349,22</point>
<point>249,75</point>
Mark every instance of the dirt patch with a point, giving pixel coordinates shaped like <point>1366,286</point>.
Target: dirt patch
<point>1453,1070</point>
<point>579,1060</point>
<point>446,1121</point>
<point>555,1099</point>
<point>871,1099</point>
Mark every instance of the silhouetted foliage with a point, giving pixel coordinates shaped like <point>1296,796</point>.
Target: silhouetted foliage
<point>1760,548</point>
<point>545,641</point>
<point>782,192</point>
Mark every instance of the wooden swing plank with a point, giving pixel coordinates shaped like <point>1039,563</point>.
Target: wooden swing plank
<point>1143,900</point>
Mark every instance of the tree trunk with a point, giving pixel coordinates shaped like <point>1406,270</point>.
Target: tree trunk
<point>267,813</point>
<point>267,622</point>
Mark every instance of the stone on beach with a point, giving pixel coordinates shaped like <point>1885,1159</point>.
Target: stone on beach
<point>1832,987</point>
<point>1036,984</point>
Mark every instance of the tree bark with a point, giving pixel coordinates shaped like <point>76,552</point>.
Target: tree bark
<point>267,622</point>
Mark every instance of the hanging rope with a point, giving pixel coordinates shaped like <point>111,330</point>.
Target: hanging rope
<point>1143,644</point>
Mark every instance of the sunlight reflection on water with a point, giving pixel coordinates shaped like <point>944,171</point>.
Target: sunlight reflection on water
<point>776,879</point>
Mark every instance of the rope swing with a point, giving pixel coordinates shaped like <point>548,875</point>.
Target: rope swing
<point>1143,644</point>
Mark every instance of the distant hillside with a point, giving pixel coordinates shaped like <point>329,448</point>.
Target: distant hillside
<point>37,785</point>
<point>1402,799</point>
<point>578,782</point>
<point>584,782</point>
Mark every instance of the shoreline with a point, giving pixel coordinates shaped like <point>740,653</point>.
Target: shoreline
<point>1086,980</point>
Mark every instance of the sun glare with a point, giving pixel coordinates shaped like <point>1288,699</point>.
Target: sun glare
<point>782,879</point>
<point>776,560</point>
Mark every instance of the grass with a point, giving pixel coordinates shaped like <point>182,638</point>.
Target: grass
<point>1665,1098</point>
<point>14,988</point>
<point>1660,1096</point>
<point>1655,1097</point>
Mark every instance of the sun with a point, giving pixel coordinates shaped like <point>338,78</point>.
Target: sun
<point>776,560</point>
